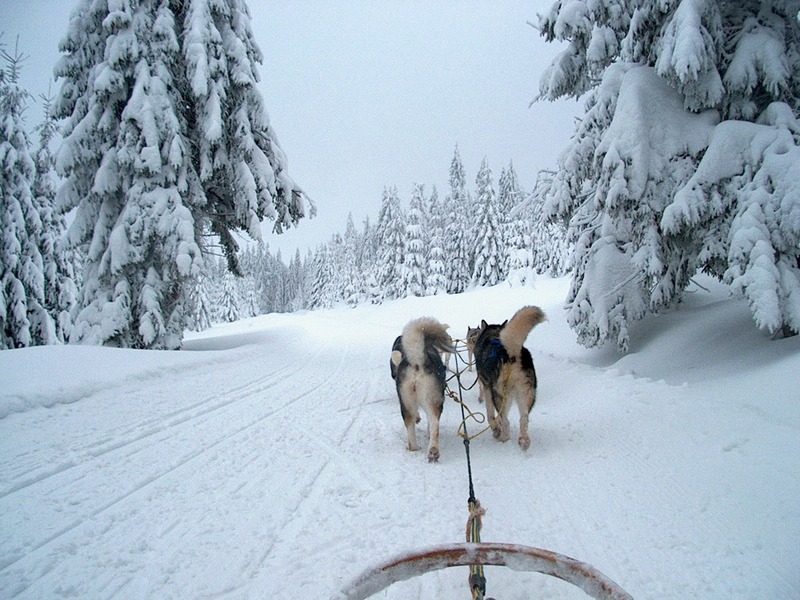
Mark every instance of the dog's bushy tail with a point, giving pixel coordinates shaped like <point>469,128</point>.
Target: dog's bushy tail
<point>515,332</point>
<point>419,331</point>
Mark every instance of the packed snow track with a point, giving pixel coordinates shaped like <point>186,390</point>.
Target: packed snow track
<point>267,459</point>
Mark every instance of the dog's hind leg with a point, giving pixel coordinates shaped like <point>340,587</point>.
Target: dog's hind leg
<point>525,404</point>
<point>485,396</point>
<point>410,413</point>
<point>411,429</point>
<point>433,403</point>
<point>500,426</point>
<point>524,439</point>
<point>433,436</point>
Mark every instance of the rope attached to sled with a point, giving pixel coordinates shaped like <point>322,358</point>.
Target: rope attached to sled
<point>477,579</point>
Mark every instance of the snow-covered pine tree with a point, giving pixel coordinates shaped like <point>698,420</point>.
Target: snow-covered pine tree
<point>550,247</point>
<point>519,246</point>
<point>368,261</point>
<point>515,251</point>
<point>322,293</point>
<point>389,232</point>
<point>414,244</point>
<point>286,283</point>
<point>352,285</point>
<point>229,309</point>
<point>60,290</point>
<point>336,281</point>
<point>297,278</point>
<point>315,275</point>
<point>24,320</point>
<point>252,260</point>
<point>215,268</point>
<point>487,233</point>
<point>665,173</point>
<point>436,278</point>
<point>457,241</point>
<point>248,299</point>
<point>166,140</point>
<point>201,309</point>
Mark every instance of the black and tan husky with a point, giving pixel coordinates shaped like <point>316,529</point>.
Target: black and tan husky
<point>419,375</point>
<point>505,371</point>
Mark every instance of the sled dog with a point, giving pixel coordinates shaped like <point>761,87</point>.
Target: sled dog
<point>472,337</point>
<point>419,374</point>
<point>506,373</point>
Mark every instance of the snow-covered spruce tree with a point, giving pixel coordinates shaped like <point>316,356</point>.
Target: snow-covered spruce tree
<point>457,241</point>
<point>436,277</point>
<point>519,247</point>
<point>487,232</point>
<point>316,277</point>
<point>690,102</point>
<point>200,308</point>
<point>297,279</point>
<point>414,244</point>
<point>284,283</point>
<point>352,284</point>
<point>248,299</point>
<point>548,239</point>
<point>336,280</point>
<point>515,253</point>
<point>368,261</point>
<point>389,233</point>
<point>60,290</point>
<point>323,293</point>
<point>229,309</point>
<point>24,320</point>
<point>166,140</point>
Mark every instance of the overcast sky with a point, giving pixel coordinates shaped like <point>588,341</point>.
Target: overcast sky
<point>365,94</point>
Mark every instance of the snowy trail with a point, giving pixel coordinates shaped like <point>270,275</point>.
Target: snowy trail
<point>278,467</point>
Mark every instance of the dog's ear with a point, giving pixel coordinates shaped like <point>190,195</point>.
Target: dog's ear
<point>397,358</point>
<point>504,323</point>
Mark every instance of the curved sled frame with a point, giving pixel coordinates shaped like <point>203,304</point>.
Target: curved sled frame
<point>519,558</point>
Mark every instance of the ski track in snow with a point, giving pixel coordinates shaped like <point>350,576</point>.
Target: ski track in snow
<point>288,476</point>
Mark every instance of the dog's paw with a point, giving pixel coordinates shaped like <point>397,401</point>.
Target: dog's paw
<point>433,454</point>
<point>412,447</point>
<point>524,442</point>
<point>500,431</point>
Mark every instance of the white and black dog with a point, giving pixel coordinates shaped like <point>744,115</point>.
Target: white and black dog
<point>506,373</point>
<point>419,374</point>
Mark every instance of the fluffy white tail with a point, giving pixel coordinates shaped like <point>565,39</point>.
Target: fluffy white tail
<point>417,331</point>
<point>515,332</point>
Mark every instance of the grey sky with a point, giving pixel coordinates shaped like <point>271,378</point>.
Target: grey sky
<point>365,94</point>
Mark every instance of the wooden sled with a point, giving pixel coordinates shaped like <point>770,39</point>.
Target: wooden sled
<point>516,557</point>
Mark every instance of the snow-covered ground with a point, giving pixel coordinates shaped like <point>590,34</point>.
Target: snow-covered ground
<point>268,459</point>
